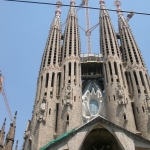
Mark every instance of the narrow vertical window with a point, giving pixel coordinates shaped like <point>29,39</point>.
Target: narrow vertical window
<point>52,82</point>
<point>105,70</point>
<point>126,75</point>
<point>110,69</point>
<point>135,76</point>
<point>47,79</point>
<point>116,71</point>
<point>136,80</point>
<point>124,116</point>
<point>49,111</point>
<point>114,98</point>
<point>64,74</point>
<point>132,104</point>
<point>131,81</point>
<point>56,121</point>
<point>41,86</point>
<point>74,98</point>
<point>59,82</point>
<point>115,66</point>
<point>69,69</point>
<point>75,68</point>
<point>143,109</point>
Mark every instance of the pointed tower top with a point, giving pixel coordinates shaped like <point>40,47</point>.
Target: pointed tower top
<point>3,127</point>
<point>117,3</point>
<point>5,121</point>
<point>102,2</point>
<point>14,121</point>
<point>58,10</point>
<point>103,11</point>
<point>72,2</point>
<point>2,133</point>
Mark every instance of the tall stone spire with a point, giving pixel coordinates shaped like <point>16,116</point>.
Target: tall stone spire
<point>136,75</point>
<point>117,101</point>
<point>44,116</point>
<point>8,145</point>
<point>52,49</point>
<point>130,56</point>
<point>70,112</point>
<point>2,134</point>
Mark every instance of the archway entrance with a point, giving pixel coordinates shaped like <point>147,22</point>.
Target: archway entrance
<point>100,139</point>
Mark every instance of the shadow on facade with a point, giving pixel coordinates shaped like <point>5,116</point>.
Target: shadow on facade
<point>100,139</point>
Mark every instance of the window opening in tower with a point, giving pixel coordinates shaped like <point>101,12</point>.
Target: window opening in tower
<point>143,109</point>
<point>136,80</point>
<point>64,75</point>
<point>105,70</point>
<point>127,80</point>
<point>134,115</point>
<point>56,118</point>
<point>116,71</point>
<point>47,79</point>
<point>41,87</point>
<point>52,81</point>
<point>132,88</point>
<point>69,69</point>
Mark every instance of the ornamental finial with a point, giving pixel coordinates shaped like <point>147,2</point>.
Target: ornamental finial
<point>117,3</point>
<point>102,2</point>
<point>58,10</point>
<point>72,2</point>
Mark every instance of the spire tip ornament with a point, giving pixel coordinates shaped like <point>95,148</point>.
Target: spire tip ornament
<point>117,3</point>
<point>72,2</point>
<point>58,5</point>
<point>102,2</point>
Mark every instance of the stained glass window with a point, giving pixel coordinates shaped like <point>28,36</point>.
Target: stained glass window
<point>94,107</point>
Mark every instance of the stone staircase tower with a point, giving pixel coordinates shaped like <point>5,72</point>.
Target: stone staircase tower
<point>117,101</point>
<point>136,75</point>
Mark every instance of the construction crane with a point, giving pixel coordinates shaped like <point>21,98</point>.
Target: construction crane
<point>4,95</point>
<point>88,30</point>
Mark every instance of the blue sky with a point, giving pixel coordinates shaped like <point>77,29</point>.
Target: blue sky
<point>23,33</point>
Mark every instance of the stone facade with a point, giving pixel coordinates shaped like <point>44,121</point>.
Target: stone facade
<point>118,102</point>
<point>123,84</point>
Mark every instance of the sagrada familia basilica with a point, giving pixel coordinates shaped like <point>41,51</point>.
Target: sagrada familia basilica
<point>88,101</point>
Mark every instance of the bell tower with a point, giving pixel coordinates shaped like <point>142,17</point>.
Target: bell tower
<point>117,102</point>
<point>70,112</point>
<point>42,126</point>
<point>136,75</point>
